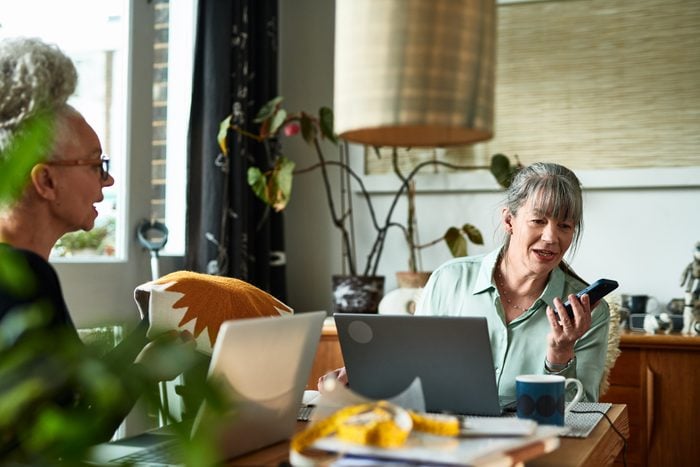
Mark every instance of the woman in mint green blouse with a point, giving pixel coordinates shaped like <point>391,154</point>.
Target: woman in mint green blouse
<point>517,286</point>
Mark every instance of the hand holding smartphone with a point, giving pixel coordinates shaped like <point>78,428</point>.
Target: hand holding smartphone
<point>595,291</point>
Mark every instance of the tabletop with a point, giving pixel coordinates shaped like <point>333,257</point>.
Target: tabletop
<point>599,448</point>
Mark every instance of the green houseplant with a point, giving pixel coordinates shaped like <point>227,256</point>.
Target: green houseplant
<point>455,237</point>
<point>273,184</point>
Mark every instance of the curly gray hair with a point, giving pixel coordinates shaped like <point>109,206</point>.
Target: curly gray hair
<point>34,76</point>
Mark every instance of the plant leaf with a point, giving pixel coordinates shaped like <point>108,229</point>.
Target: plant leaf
<point>268,109</point>
<point>258,183</point>
<point>501,170</point>
<point>275,187</point>
<point>473,234</point>
<point>28,148</point>
<point>455,242</point>
<point>282,175</point>
<point>16,276</point>
<point>308,129</point>
<point>223,132</point>
<point>326,120</point>
<point>278,120</point>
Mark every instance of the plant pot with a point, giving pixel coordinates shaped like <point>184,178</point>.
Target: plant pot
<point>357,294</point>
<point>402,301</point>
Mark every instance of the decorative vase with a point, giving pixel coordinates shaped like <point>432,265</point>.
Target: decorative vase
<point>412,279</point>
<point>357,294</point>
<point>402,301</point>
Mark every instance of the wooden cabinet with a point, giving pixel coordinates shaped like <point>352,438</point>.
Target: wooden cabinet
<point>328,356</point>
<point>658,377</point>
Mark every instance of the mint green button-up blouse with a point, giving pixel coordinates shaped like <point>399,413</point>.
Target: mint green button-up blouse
<point>465,287</point>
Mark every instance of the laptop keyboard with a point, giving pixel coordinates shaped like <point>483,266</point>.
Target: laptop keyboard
<point>165,453</point>
<point>304,414</point>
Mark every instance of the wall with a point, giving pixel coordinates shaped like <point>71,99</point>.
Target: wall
<point>638,230</point>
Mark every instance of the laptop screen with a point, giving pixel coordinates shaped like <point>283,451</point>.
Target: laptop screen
<point>451,356</point>
<point>264,364</point>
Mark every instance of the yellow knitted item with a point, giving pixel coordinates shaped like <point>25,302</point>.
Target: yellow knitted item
<point>378,424</point>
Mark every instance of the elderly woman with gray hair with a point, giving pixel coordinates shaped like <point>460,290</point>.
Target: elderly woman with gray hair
<point>518,287</point>
<point>68,173</point>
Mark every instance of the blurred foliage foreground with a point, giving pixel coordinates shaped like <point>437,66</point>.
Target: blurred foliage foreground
<point>57,396</point>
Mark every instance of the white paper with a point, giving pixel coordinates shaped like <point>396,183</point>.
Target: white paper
<point>335,396</point>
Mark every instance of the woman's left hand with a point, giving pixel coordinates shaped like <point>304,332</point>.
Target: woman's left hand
<point>565,330</point>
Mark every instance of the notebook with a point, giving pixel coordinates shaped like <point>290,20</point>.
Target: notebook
<point>451,355</point>
<point>265,363</point>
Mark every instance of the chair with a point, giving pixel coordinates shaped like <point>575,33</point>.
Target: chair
<point>101,340</point>
<point>613,342</point>
<point>199,303</point>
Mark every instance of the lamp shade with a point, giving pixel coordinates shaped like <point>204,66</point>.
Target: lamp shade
<point>414,73</point>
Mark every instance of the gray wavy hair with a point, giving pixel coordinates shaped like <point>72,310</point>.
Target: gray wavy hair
<point>34,77</point>
<point>556,191</point>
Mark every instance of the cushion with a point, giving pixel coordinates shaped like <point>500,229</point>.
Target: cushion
<point>186,300</point>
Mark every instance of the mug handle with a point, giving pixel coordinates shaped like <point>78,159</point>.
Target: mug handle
<point>577,397</point>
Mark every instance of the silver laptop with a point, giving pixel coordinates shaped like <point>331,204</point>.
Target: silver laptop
<point>265,364</point>
<point>383,354</point>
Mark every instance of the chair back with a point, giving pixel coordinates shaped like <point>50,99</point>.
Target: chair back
<point>613,342</point>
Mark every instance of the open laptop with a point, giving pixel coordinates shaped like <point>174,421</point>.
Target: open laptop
<point>265,364</point>
<point>383,354</point>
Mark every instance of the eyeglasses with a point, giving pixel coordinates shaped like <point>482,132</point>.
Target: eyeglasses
<point>102,162</point>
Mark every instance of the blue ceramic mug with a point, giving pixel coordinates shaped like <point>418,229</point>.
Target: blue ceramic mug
<point>543,397</point>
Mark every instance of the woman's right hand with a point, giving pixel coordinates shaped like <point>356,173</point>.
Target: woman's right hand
<point>339,375</point>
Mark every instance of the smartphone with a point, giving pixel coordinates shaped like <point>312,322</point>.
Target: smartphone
<point>595,291</point>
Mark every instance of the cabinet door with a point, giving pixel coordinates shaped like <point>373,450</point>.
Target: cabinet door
<point>674,408</point>
<point>660,383</point>
<point>627,387</point>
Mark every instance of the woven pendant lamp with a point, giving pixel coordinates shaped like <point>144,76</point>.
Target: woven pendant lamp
<point>414,73</point>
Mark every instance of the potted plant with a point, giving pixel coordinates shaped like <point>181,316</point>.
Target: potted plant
<point>273,186</point>
<point>455,238</point>
<point>403,299</point>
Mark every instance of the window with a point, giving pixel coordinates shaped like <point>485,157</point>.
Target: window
<point>102,64</point>
<point>112,44</point>
<point>100,97</point>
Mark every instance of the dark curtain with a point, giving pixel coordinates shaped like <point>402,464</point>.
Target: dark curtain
<point>229,231</point>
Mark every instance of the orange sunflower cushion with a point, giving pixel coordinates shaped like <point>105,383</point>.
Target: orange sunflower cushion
<point>186,300</point>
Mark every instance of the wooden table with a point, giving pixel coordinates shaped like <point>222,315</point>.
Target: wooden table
<point>599,448</point>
